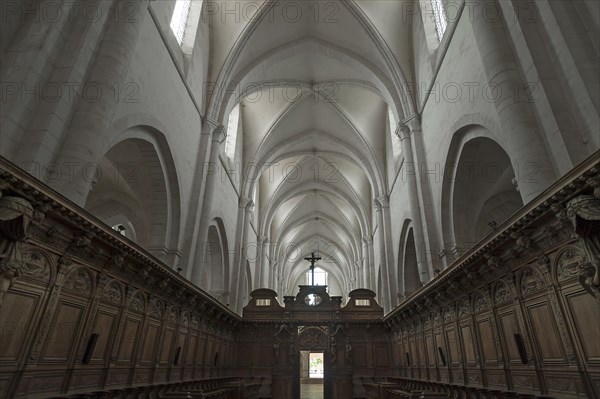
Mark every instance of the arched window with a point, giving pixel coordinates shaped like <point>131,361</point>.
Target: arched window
<point>441,21</point>
<point>232,131</point>
<point>179,18</point>
<point>185,21</point>
<point>320,277</point>
<point>396,143</point>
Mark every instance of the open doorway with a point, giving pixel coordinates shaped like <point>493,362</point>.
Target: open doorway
<point>311,374</point>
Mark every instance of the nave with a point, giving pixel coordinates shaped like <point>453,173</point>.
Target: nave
<point>196,194</point>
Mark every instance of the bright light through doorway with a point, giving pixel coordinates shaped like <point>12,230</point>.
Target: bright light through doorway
<point>315,362</point>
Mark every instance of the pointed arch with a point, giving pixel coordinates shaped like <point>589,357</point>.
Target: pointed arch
<point>478,192</point>
<point>137,183</point>
<point>409,279</point>
<point>215,262</point>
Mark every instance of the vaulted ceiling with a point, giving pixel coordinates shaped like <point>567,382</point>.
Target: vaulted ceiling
<point>315,81</point>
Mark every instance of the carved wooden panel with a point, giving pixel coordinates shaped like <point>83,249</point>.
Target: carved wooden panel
<point>360,355</point>
<point>62,333</point>
<point>149,343</point>
<point>167,340</point>
<point>181,344</point>
<point>546,333</point>
<point>201,351</point>
<point>103,326</point>
<point>414,358</point>
<point>488,343</point>
<point>15,324</point>
<point>381,356</point>
<point>452,355</point>
<point>420,351</point>
<point>265,355</point>
<point>586,317</point>
<point>39,265</point>
<point>86,380</point>
<point>509,325</point>
<point>210,352</point>
<point>141,376</point>
<point>563,385</point>
<point>245,356</point>
<point>525,381</point>
<point>78,282</point>
<point>468,343</point>
<point>78,279</point>
<point>439,342</point>
<point>40,384</point>
<point>128,340</point>
<point>5,380</point>
<point>191,350</point>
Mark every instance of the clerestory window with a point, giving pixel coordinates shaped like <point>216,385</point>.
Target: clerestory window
<point>232,131</point>
<point>184,23</point>
<point>441,21</point>
<point>180,18</point>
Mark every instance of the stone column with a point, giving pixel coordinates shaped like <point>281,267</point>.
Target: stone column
<point>520,133</point>
<point>368,268</point>
<point>261,262</point>
<point>89,133</point>
<point>381,204</point>
<point>424,262</point>
<point>192,225</point>
<point>274,267</point>
<point>218,136</point>
<point>243,225</point>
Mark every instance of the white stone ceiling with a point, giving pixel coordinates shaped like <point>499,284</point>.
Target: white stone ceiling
<point>315,80</point>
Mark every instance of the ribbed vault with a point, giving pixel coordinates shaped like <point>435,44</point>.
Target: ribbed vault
<point>316,81</point>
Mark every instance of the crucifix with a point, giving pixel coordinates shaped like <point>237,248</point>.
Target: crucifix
<point>312,259</point>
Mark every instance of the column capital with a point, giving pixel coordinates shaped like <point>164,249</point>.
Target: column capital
<point>219,134</point>
<point>210,124</point>
<point>368,240</point>
<point>403,132</point>
<point>413,123</point>
<point>383,201</point>
<point>246,202</point>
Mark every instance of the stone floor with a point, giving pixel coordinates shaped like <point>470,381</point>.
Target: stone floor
<point>311,391</point>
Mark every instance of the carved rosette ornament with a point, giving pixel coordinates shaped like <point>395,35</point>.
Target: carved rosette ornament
<point>15,216</point>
